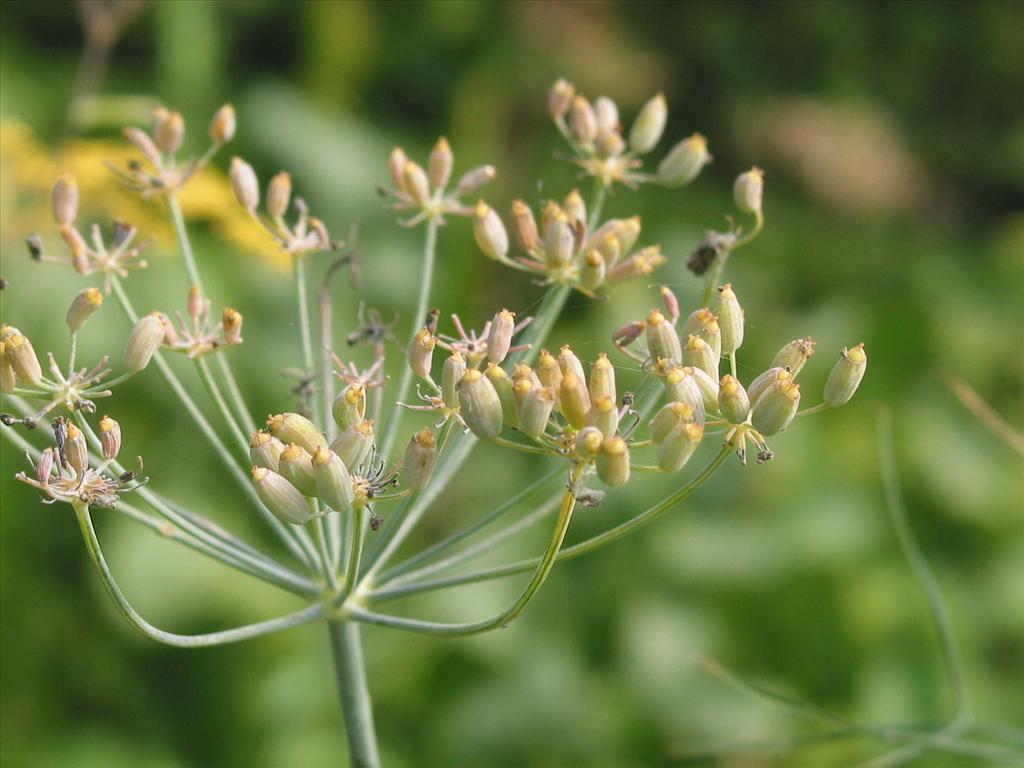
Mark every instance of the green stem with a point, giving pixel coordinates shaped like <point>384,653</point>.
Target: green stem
<point>186,246</point>
<point>321,540</point>
<point>218,398</point>
<point>356,706</point>
<point>299,264</point>
<point>92,545</point>
<point>241,410</point>
<point>72,352</point>
<point>596,205</point>
<point>355,551</point>
<point>426,279</point>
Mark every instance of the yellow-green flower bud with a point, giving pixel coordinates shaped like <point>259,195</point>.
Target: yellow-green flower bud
<point>681,387</point>
<point>588,443</point>
<point>628,232</point>
<point>416,183</point>
<point>22,356</point>
<point>479,405</point>
<point>604,415</point>
<point>574,399</point>
<point>613,461</point>
<point>244,184</point>
<point>794,355</point>
<point>439,165</point>
<point>421,353</point>
<point>279,194</point>
<point>231,321</point>
<point>524,226</point>
<point>396,168</point>
<point>499,338</point>
<point>349,406</point>
<point>662,339</point>
<point>223,125</point>
<point>536,409</point>
<point>560,98</point>
<point>730,319</point>
<point>733,402</point>
<point>280,496</point>
<point>748,190</point>
<point>82,307</point>
<point>593,270</point>
<point>610,248</point>
<point>708,389</point>
<point>670,416</point>
<point>354,444</point>
<point>703,324</point>
<point>765,381</point>
<point>420,458</point>
<point>569,363</point>
<point>489,232</point>
<point>684,161</point>
<point>110,438</point>
<point>602,378</point>
<point>503,386</point>
<point>583,122</point>
<point>574,207</point>
<point>521,387</point>
<point>296,466</point>
<point>333,481</point>
<point>8,379</point>
<point>168,130</point>
<point>776,407</point>
<point>76,451</point>
<point>649,125</point>
<point>144,340</point>
<point>296,428</point>
<point>678,446</point>
<point>700,354</point>
<point>548,371</point>
<point>451,375</point>
<point>65,199</point>
<point>846,376</point>
<point>265,450</point>
<point>558,242</point>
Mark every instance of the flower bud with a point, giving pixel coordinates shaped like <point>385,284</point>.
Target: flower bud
<point>65,199</point>
<point>846,376</point>
<point>244,184</point>
<point>628,232</point>
<point>489,232</point>
<point>684,161</point>
<point>76,451</point>
<point>602,378</point>
<point>349,406</point>
<point>569,363</point>
<point>536,408</point>
<point>560,98</point>
<point>281,497</point>
<point>479,405</point>
<point>670,416</point>
<point>473,179</point>
<point>613,461</point>
<point>549,370</point>
<point>499,339</point>
<point>76,245</point>
<point>574,399</point>
<point>748,190</point>
<point>662,339</point>
<point>168,130</point>
<point>8,379</point>
<point>279,194</point>
<point>451,375</point>
<point>524,371</point>
<point>110,438</point>
<point>733,402</point>
<point>609,246</point>
<point>583,121</point>
<point>265,450</point>
<point>503,386</point>
<point>354,444</point>
<point>776,407</point>
<point>588,442</point>
<point>231,322</point>
<point>524,226</point>
<point>671,304</point>
<point>593,271</point>
<point>82,306</point>
<point>794,355</point>
<point>681,386</point>
<point>703,324</point>
<point>416,183</point>
<point>143,142</point>
<point>44,469</point>
<point>607,115</point>
<point>625,335</point>
<point>521,387</point>
<point>708,388</point>
<point>764,382</point>
<point>296,466</point>
<point>296,428</point>
<point>421,353</point>
<point>439,165</point>
<point>420,458</point>
<point>558,242</point>
<point>396,167</point>
<point>223,125</point>
<point>649,125</point>
<point>700,354</point>
<point>640,264</point>
<point>730,319</point>
<point>145,339</point>
<point>678,446</point>
<point>333,481</point>
<point>603,415</point>
<point>574,207</point>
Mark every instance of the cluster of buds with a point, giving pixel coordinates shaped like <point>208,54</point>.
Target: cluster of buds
<point>561,250</point>
<point>163,173</point>
<point>95,256</point>
<point>426,192</point>
<point>595,134</point>
<point>64,471</point>
<point>194,336</point>
<point>306,234</point>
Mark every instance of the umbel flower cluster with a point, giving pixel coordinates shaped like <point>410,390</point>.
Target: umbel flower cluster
<point>324,473</point>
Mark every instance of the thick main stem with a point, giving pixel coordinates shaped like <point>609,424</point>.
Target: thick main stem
<point>356,707</point>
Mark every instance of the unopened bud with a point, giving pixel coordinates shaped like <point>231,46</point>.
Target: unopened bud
<point>558,242</point>
<point>524,226</point>
<point>110,438</point>
<point>776,407</point>
<point>44,469</point>
<point>670,416</point>
<point>748,190</point>
<point>549,371</point>
<point>421,353</point>
<point>602,378</point>
<point>82,306</point>
<point>499,339</point>
<point>281,497</point>
<point>678,446</point>
<point>420,458</point>
<point>628,333</point>
<point>733,402</point>
<point>607,114</point>
<point>574,399</point>
<point>76,451</point>
<point>593,271</point>
<point>354,444</point>
<point>143,142</point>
<point>145,339</point>
<point>649,125</point>
<point>763,382</point>
<point>231,320</point>
<point>223,125</point>
<point>700,354</point>
<point>416,183</point>
<point>560,98</point>
<point>265,450</point>
<point>684,161</point>
<point>439,165</point>
<point>671,304</point>
<point>574,207</point>
<point>489,232</point>
<point>588,442</point>
<point>65,199</point>
<point>583,121</point>
<point>279,194</point>
<point>681,386</point>
<point>613,461</point>
<point>333,481</point>
<point>8,379</point>
<point>396,167</point>
<point>569,363</point>
<point>244,184</point>
<point>794,355</point>
<point>708,388</point>
<point>451,374</point>
<point>196,304</point>
<point>703,324</point>
<point>506,394</point>
<point>604,415</point>
<point>846,376</point>
<point>662,339</point>
<point>730,319</point>
<point>296,428</point>
<point>168,130</point>
<point>296,466</point>
<point>479,405</point>
<point>349,406</point>
<point>76,245</point>
<point>170,332</point>
<point>474,178</point>
<point>640,264</point>
<point>536,408</point>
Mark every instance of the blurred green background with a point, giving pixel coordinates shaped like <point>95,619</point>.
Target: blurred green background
<point>892,136</point>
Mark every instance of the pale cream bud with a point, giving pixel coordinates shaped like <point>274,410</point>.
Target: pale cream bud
<point>76,451</point>
<point>231,321</point>
<point>583,121</point>
<point>602,378</point>
<point>730,319</point>
<point>296,428</point>
<point>416,183</point>
<point>168,130</point>
<point>143,142</point>
<point>82,306</point>
<point>613,461</point>
<point>684,161</point>
<point>662,339</point>
<point>354,444</point>
<point>499,339</point>
<point>474,178</point>
<point>279,194</point>
<point>144,340</point>
<point>593,270</point>
<point>560,98</point>
<point>678,446</point>
<point>479,405</point>
<point>489,232</point>
<point>420,458</point>
<point>421,353</point>
<point>733,401</point>
<point>333,481</point>
<point>396,167</point>
<point>65,199</point>
<point>451,374</point>
<point>244,184</point>
<point>536,408</point>
<point>776,407</point>
<point>607,114</point>
<point>223,125</point>
<point>281,497</point>
<point>794,355</point>
<point>649,125</point>
<point>110,438</point>
<point>440,163</point>
<point>524,226</point>
<point>558,242</point>
<point>748,190</point>
<point>265,450</point>
<point>574,399</point>
<point>846,376</point>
